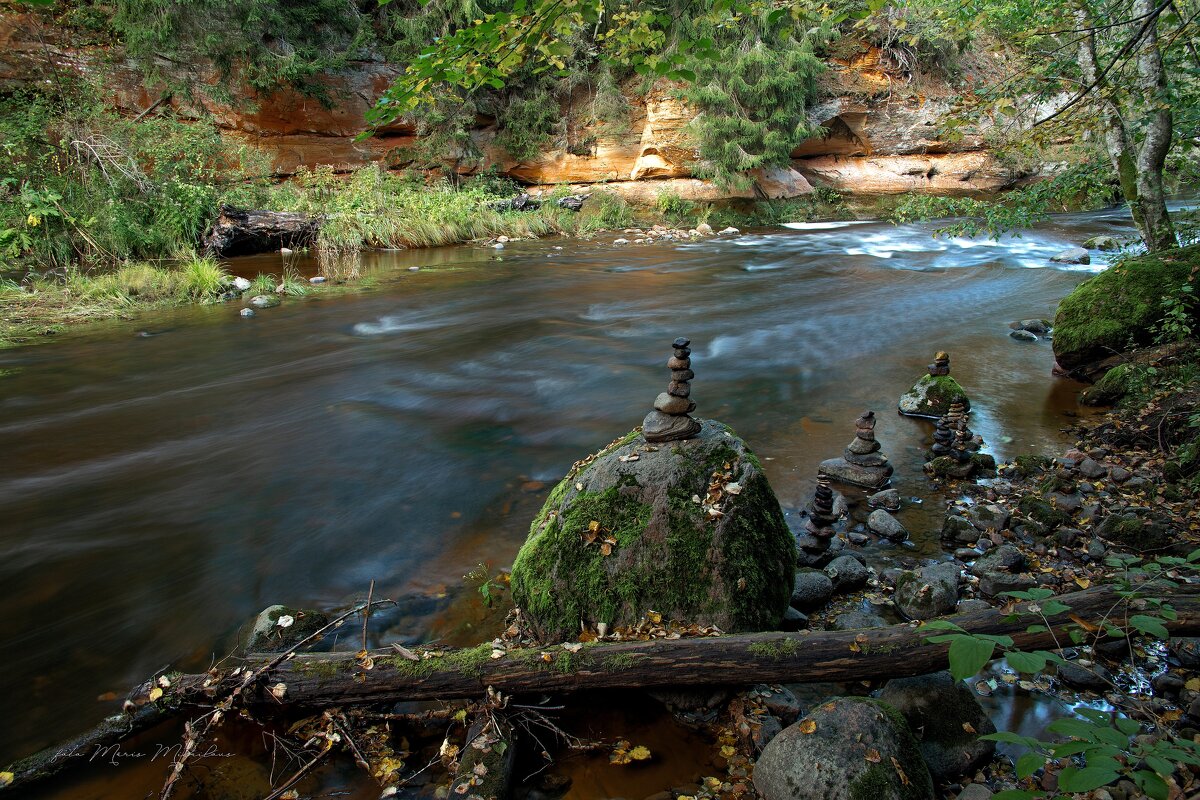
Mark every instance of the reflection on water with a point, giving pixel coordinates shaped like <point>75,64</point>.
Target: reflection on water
<point>157,491</point>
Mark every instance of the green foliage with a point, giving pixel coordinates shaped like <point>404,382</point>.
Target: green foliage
<point>752,101</point>
<point>528,120</point>
<point>1179,315</point>
<point>266,43</point>
<point>1104,744</point>
<point>88,189</point>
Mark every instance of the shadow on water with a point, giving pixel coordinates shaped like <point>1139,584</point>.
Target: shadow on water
<point>156,492</point>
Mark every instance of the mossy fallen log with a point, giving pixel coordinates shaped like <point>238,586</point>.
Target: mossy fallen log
<point>326,680</point>
<point>240,231</point>
<point>894,651</point>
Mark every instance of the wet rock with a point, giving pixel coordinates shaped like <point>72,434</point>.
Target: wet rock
<point>1103,242</point>
<point>793,620</point>
<point>1133,532</point>
<point>1022,336</point>
<point>972,604</point>
<point>811,590</point>
<point>247,312</point>
<point>1004,558</point>
<point>988,517</point>
<point>1072,255</point>
<point>884,524</point>
<point>1041,515</point>
<point>959,529</point>
<point>486,766</point>
<point>847,754</point>
<point>764,731</point>
<point>1038,327</point>
<point>929,592</point>
<point>847,573</point>
<point>939,711</point>
<point>241,284</point>
<point>856,620</point>
<point>861,463</point>
<point>1168,685</point>
<point>1090,676</point>
<point>747,552</point>
<point>1186,650</point>
<point>975,791</point>
<point>697,701</point>
<point>279,628</point>
<point>730,231</point>
<point>888,499</point>
<point>1089,468</point>
<point>1119,474</point>
<point>265,301</point>
<point>781,702</point>
<point>994,584</point>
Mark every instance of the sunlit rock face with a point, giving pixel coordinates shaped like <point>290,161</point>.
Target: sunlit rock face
<point>879,135</point>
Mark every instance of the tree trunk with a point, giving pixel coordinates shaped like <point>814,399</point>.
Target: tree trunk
<point>1156,228</point>
<point>895,651</point>
<point>239,232</point>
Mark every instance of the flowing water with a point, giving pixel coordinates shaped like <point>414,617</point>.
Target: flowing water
<point>160,484</point>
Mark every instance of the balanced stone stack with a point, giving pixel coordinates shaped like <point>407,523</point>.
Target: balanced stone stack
<point>820,512</point>
<point>861,464</point>
<point>955,452</point>
<point>669,420</point>
<point>932,395</point>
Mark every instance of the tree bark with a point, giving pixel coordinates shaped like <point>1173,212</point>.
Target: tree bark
<point>1158,232</point>
<point>895,651</point>
<point>239,231</point>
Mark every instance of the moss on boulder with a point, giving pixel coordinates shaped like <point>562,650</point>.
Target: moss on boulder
<point>733,568</point>
<point>932,395</point>
<point>1117,309</point>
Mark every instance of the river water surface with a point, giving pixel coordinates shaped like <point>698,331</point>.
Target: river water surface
<point>160,484</point>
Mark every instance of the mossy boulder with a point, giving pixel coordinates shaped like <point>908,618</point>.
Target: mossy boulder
<point>932,395</point>
<point>850,748</point>
<point>1117,309</point>
<point>699,537</point>
<point>279,628</point>
<point>948,721</point>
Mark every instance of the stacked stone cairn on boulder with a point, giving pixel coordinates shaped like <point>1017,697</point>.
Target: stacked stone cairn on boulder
<point>820,512</point>
<point>861,464</point>
<point>932,395</point>
<point>669,421</point>
<point>691,532</point>
<point>955,452</point>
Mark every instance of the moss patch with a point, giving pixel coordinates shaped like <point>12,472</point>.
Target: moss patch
<point>932,396</point>
<point>1116,309</point>
<point>671,556</point>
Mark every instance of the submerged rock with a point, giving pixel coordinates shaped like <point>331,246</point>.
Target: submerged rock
<point>265,301</point>
<point>279,628</point>
<point>887,526</point>
<point>1072,255</point>
<point>943,713</point>
<point>690,529</point>
<point>850,748</point>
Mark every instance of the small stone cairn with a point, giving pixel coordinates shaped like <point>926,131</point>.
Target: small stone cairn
<point>955,452</point>
<point>669,421</point>
<point>820,512</point>
<point>940,365</point>
<point>861,464</point>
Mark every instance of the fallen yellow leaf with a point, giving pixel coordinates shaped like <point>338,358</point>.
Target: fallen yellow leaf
<point>808,726</point>
<point>155,693</point>
<point>640,753</point>
<point>1083,582</point>
<point>873,756</point>
<point>6,778</point>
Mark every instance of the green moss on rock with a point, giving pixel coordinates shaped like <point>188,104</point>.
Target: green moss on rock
<point>1110,312</point>
<point>732,570</point>
<point>932,395</point>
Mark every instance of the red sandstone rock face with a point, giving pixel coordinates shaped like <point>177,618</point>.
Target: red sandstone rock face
<point>882,143</point>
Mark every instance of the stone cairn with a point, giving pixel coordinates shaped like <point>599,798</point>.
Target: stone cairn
<point>940,365</point>
<point>820,511</point>
<point>861,464</point>
<point>669,420</point>
<point>952,436</point>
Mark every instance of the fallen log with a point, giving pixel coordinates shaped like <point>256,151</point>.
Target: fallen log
<point>340,679</point>
<point>240,231</point>
<point>890,652</point>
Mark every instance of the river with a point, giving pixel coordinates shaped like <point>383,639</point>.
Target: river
<point>163,481</point>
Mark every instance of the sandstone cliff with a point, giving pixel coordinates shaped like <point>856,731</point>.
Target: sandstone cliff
<point>880,132</point>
